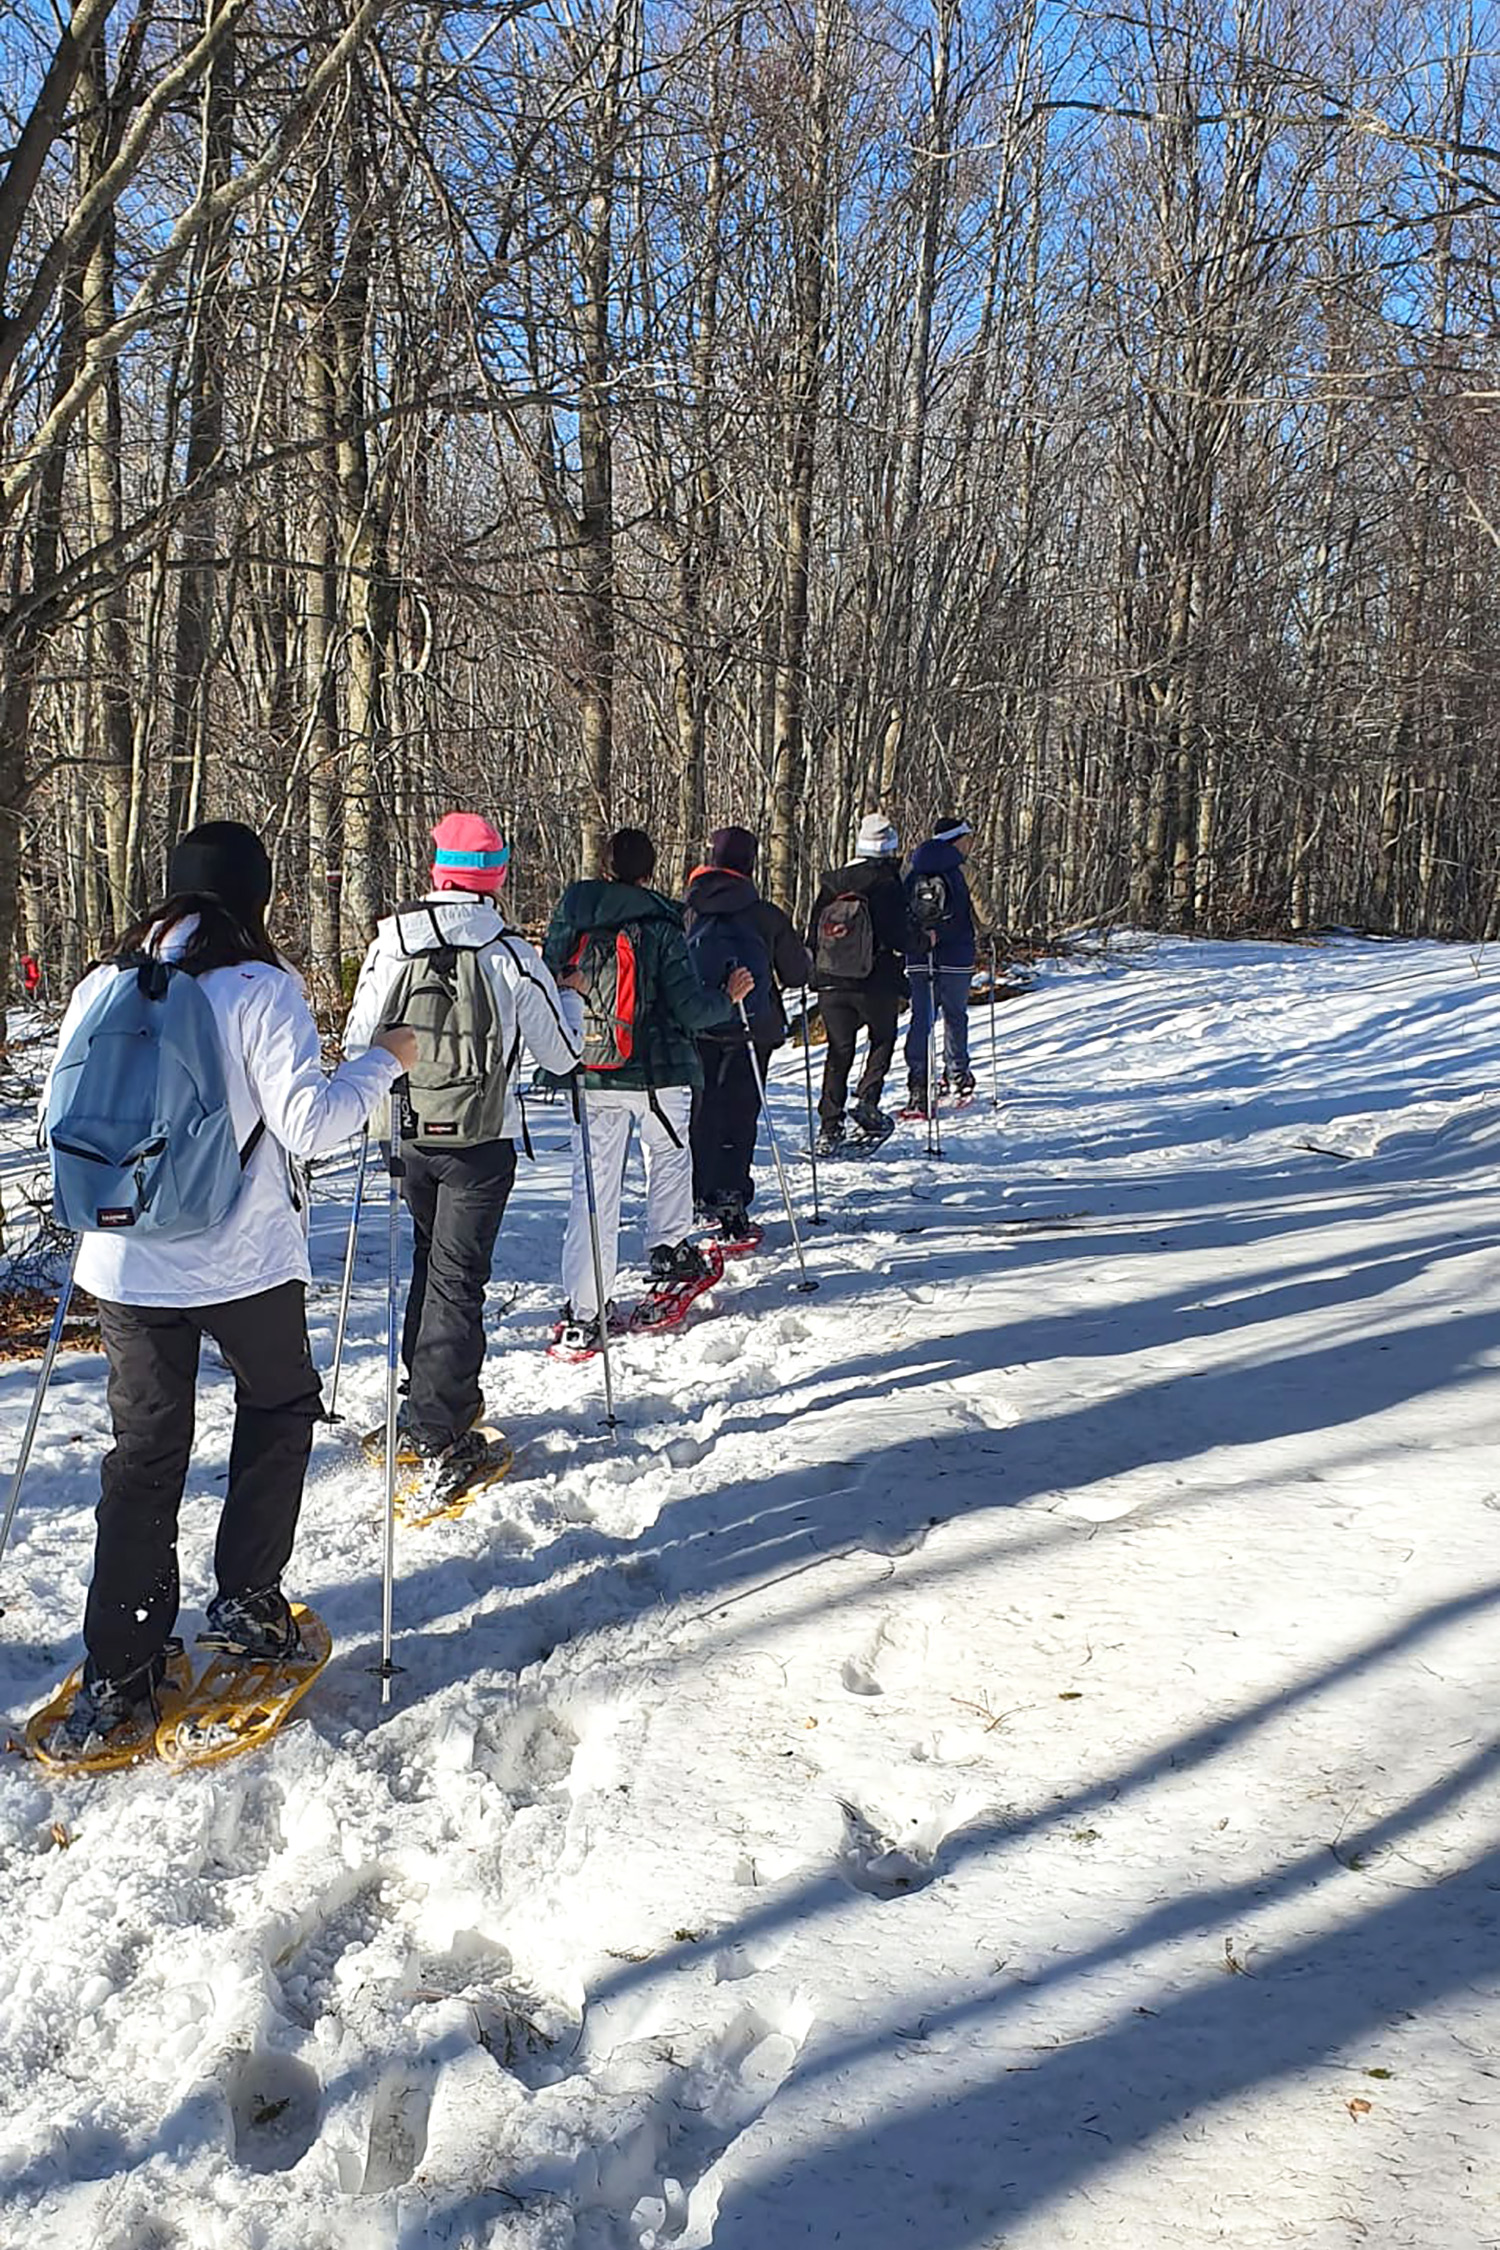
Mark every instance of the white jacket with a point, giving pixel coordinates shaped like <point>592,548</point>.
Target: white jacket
<point>527,999</point>
<point>273,1067</point>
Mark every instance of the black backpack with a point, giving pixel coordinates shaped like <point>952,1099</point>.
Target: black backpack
<point>929,901</point>
<point>720,943</point>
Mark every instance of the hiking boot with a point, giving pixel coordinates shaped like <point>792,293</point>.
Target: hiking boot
<point>870,1121</point>
<point>102,1707</point>
<point>579,1339</point>
<point>260,1627</point>
<point>451,1472</point>
<point>916,1098</point>
<point>963,1085</point>
<point>671,1263</point>
<point>831,1138</point>
<point>729,1217</point>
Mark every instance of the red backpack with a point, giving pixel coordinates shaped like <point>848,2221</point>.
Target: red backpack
<point>609,962</point>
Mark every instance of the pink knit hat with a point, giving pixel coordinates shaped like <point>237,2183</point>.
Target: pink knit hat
<point>472,855</point>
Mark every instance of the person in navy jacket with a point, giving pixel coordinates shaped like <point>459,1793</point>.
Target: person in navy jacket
<point>940,957</point>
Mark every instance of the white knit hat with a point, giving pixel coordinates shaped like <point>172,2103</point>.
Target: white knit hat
<point>877,837</point>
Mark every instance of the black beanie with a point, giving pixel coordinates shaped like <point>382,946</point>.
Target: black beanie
<point>227,860</point>
<point>733,848</point>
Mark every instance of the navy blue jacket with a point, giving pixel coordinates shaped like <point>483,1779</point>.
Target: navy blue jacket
<point>955,937</point>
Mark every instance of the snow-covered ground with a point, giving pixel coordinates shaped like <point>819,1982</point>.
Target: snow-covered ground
<point>1003,1750</point>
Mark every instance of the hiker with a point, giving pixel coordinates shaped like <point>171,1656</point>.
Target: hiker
<point>729,924</point>
<point>939,961</point>
<point>209,1239</point>
<point>858,940</point>
<point>31,975</point>
<point>619,946</point>
<point>475,993</point>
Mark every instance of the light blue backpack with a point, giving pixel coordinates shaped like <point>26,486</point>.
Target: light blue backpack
<point>138,1119</point>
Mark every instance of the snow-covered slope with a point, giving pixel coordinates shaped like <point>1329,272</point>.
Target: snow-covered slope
<point>1000,1752</point>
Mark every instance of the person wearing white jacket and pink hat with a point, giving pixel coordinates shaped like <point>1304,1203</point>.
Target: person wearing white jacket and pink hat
<point>240,1282</point>
<point>450,962</point>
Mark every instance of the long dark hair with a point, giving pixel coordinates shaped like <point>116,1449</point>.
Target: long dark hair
<point>222,940</point>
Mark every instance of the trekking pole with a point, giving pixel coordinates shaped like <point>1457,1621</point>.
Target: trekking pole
<point>332,1414</point>
<point>64,1298</point>
<point>934,1129</point>
<point>817,1219</point>
<point>994,1050</point>
<point>386,1669</point>
<point>586,1149</point>
<point>806,1285</point>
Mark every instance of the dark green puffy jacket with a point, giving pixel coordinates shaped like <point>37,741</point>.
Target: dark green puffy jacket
<point>678,1007</point>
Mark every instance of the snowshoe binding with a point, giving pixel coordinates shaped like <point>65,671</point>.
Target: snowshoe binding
<point>101,1726</point>
<point>679,1277</point>
<point>257,1626</point>
<point>453,1479</point>
<point>240,1699</point>
<point>871,1126</point>
<point>236,1701</point>
<point>734,1231</point>
<point>577,1339</point>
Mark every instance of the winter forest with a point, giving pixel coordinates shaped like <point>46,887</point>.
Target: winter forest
<point>764,410</point>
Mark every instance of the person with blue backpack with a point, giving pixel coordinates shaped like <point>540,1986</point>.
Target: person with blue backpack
<point>188,1078</point>
<point>617,946</point>
<point>729,925</point>
<point>939,961</point>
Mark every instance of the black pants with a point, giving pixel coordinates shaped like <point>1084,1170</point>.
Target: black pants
<point>726,1113</point>
<point>843,1015</point>
<point>457,1198</point>
<point>153,1370</point>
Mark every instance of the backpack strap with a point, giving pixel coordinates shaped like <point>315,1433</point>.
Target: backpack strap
<point>662,1118</point>
<point>154,975</point>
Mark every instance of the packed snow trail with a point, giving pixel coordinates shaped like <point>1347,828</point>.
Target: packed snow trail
<point>1000,1751</point>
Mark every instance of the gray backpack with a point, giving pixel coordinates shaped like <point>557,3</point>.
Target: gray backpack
<point>456,1087</point>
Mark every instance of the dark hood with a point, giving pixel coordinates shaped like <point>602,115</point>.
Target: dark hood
<point>719,890</point>
<point>933,858</point>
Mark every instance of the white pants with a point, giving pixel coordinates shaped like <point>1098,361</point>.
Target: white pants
<point>669,1183</point>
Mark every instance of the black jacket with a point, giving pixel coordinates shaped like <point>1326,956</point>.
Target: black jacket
<point>879,881</point>
<point>719,890</point>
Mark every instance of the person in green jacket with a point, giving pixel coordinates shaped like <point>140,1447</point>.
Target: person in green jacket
<point>639,1069</point>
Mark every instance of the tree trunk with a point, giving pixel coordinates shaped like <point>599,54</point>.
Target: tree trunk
<point>788,755</point>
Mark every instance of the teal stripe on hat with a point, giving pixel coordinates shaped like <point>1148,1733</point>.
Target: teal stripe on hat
<point>501,858</point>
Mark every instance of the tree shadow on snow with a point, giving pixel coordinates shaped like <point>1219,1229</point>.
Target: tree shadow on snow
<point>947,2173</point>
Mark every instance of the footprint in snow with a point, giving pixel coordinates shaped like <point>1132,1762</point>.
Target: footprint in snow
<point>275,2108</point>
<point>244,1831</point>
<point>349,1916</point>
<point>895,1656</point>
<point>527,1752</point>
<point>889,1857</point>
<point>532,2035</point>
<point>640,2138</point>
<point>398,2133</point>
